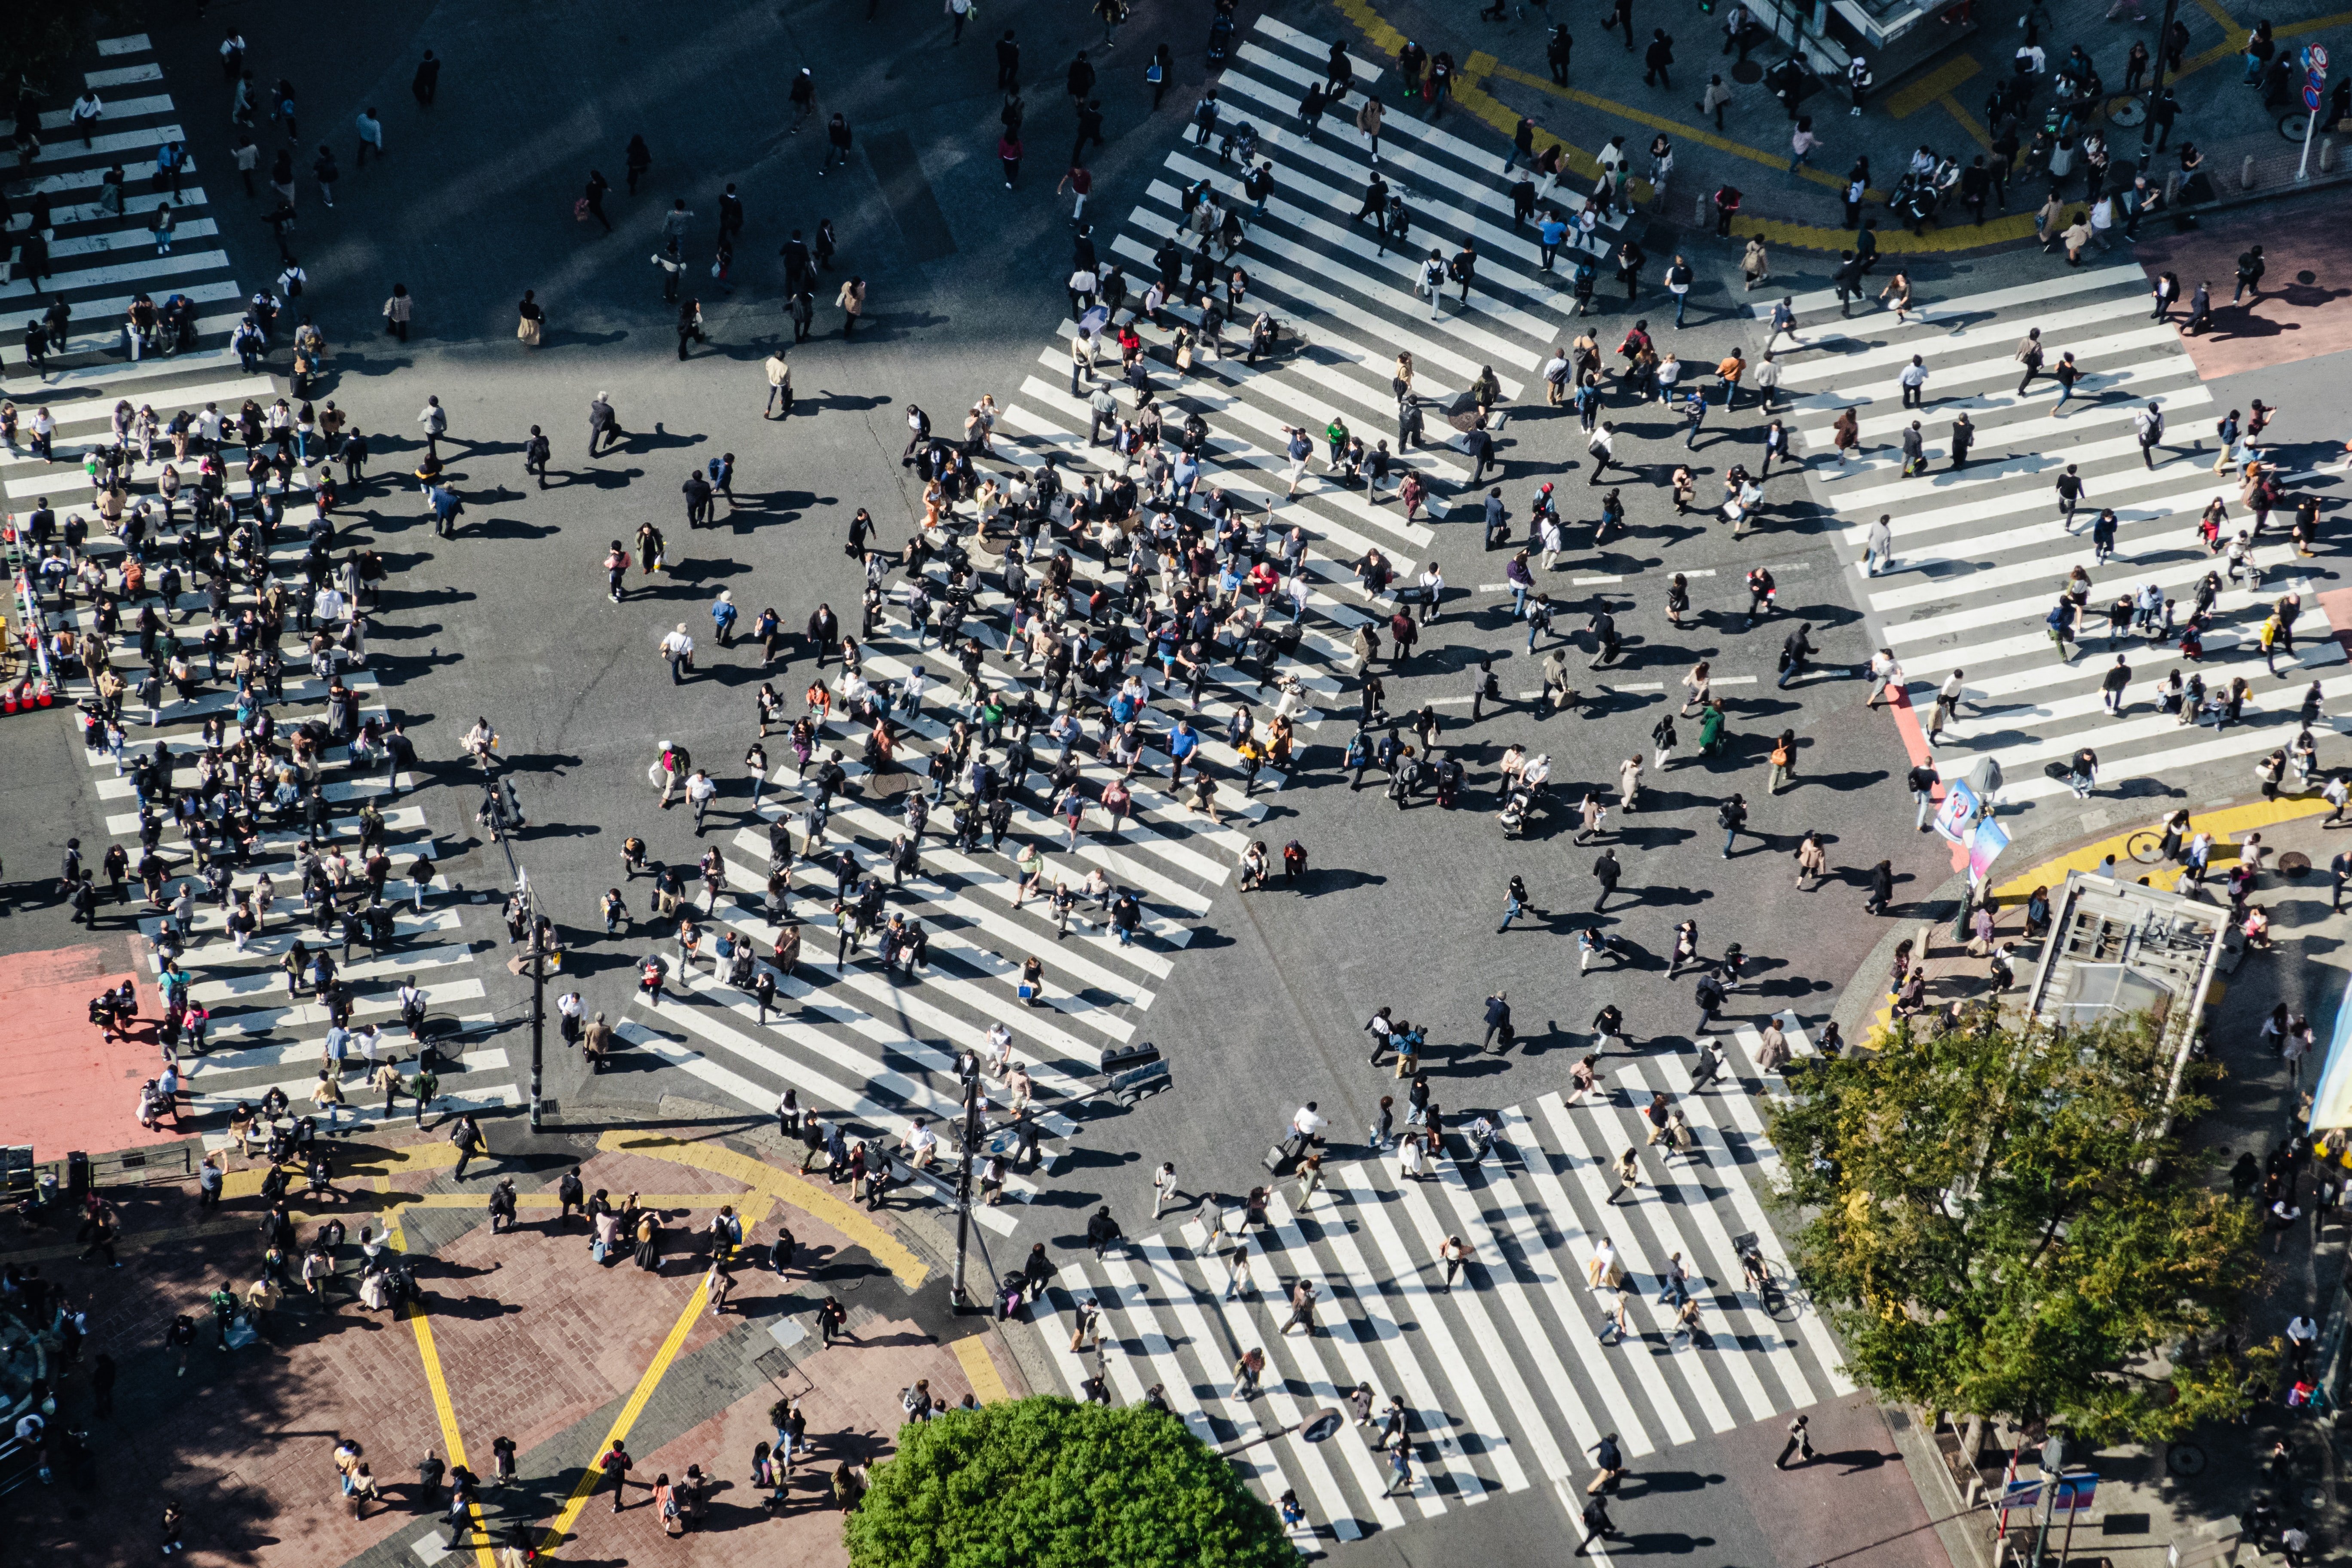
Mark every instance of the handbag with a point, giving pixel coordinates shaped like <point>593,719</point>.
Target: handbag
<point>580,210</point>
<point>241,1333</point>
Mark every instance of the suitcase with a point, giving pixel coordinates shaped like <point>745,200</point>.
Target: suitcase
<point>1283,1156</point>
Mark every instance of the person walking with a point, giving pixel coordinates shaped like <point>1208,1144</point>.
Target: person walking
<point>1799,1443</point>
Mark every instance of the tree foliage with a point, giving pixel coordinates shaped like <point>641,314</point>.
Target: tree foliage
<point>2000,1224</point>
<point>35,37</point>
<point>1048,1483</point>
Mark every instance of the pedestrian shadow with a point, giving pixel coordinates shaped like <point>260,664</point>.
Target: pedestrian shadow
<point>1855,779</point>
<point>843,402</point>
<point>1316,883</point>
<point>872,328</point>
<point>658,438</point>
<point>1646,1483</point>
<point>508,528</point>
<point>562,338</point>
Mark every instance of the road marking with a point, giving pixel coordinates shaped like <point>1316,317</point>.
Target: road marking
<point>560,1529</point>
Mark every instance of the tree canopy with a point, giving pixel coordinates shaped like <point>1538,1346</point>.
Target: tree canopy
<point>2001,1222</point>
<point>1049,1483</point>
<point>33,37</point>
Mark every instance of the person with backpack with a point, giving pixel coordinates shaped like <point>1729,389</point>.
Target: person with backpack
<point>467,1139</point>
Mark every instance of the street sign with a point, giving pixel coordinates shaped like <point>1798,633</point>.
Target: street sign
<point>1322,1426</point>
<point>2311,98</point>
<point>2076,1492</point>
<point>2314,57</point>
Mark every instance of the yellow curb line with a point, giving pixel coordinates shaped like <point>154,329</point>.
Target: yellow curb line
<point>821,1206</point>
<point>2223,824</point>
<point>2231,26</point>
<point>1967,122</point>
<point>979,1370</point>
<point>560,1529</point>
<point>1484,107</point>
<point>1942,82</point>
<point>450,1439</point>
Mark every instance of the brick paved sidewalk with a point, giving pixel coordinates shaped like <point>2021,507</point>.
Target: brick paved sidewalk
<point>524,1337</point>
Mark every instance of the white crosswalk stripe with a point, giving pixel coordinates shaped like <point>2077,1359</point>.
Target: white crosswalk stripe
<point>1981,555</point>
<point>260,1034</point>
<point>870,1043</point>
<point>1504,1380</point>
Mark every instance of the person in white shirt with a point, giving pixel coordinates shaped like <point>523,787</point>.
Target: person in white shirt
<point>701,789</point>
<point>923,1145</point>
<point>1307,1123</point>
<point>679,648</point>
<point>1163,1188</point>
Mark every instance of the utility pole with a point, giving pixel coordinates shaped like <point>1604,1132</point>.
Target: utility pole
<point>538,961</point>
<point>2155,89</point>
<point>963,1188</point>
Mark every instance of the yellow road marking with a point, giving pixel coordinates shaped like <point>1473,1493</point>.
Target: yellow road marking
<point>1382,36</point>
<point>2223,824</point>
<point>1484,106</point>
<point>627,1418</point>
<point>980,1370</point>
<point>815,1203</point>
<point>1967,122</point>
<point>2231,26</point>
<point>1916,95</point>
<point>450,1437</point>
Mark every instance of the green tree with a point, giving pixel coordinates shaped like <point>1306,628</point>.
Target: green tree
<point>2004,1223</point>
<point>1048,1483</point>
<point>34,38</point>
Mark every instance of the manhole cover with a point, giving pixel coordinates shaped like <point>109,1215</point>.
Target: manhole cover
<point>1747,73</point>
<point>2128,111</point>
<point>2184,1460</point>
<point>2293,863</point>
<point>2292,126</point>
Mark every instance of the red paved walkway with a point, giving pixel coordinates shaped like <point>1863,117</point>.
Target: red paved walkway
<point>2306,310</point>
<point>62,1087</point>
<point>534,1340</point>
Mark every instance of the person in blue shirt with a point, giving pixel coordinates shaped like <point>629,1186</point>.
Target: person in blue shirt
<point>722,618</point>
<point>1555,235</point>
<point>1183,743</point>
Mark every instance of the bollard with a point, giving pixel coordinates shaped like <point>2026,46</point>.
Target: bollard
<point>2246,173</point>
<point>1703,216</point>
<point>2326,153</point>
<point>2172,187</point>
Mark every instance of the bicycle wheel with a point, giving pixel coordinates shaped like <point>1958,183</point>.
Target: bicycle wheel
<point>2146,846</point>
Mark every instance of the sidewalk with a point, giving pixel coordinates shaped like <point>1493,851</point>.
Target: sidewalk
<point>2191,1494</point>
<point>1504,74</point>
<point>523,1336</point>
